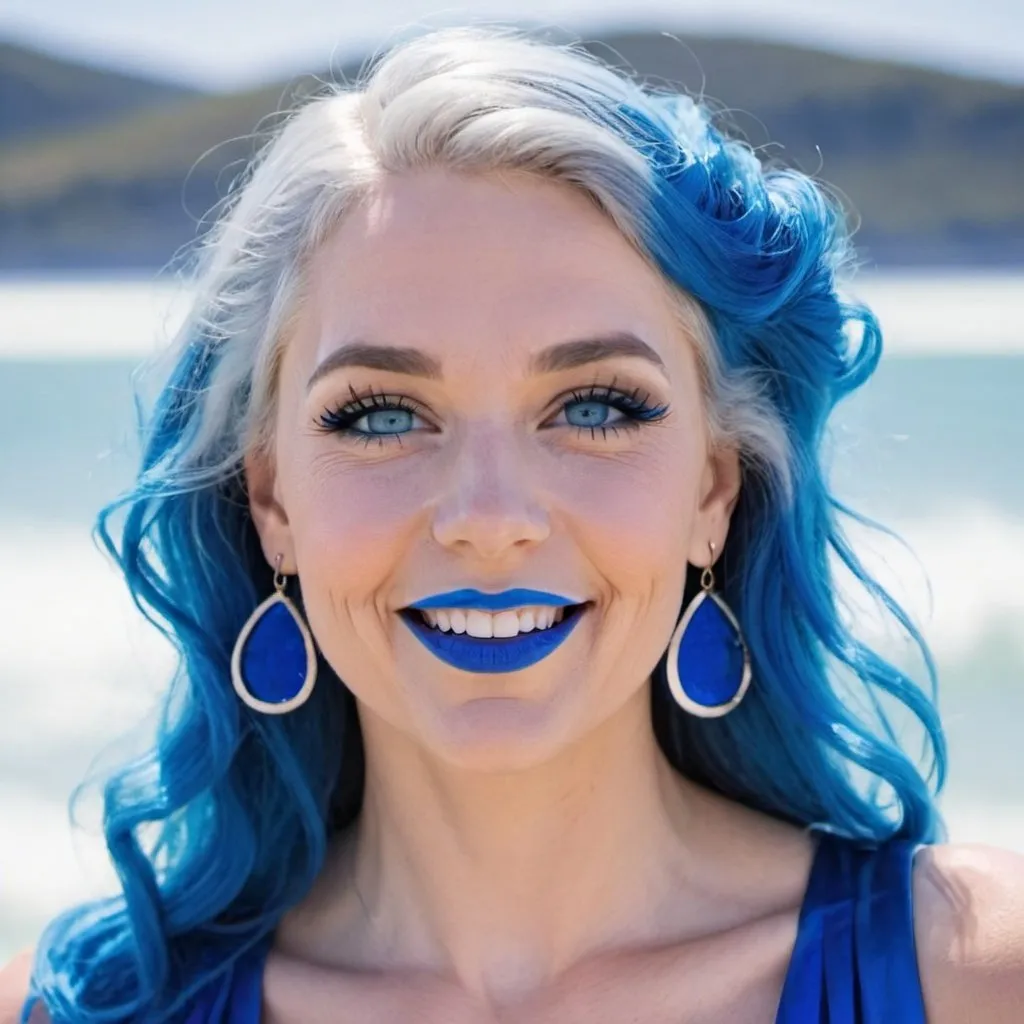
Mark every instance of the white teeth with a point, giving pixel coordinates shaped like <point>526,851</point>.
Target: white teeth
<point>478,623</point>
<point>499,624</point>
<point>505,624</point>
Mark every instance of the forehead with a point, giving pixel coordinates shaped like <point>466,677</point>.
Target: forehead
<point>434,258</point>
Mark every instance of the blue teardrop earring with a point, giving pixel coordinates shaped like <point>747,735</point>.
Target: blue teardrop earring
<point>708,664</point>
<point>273,664</point>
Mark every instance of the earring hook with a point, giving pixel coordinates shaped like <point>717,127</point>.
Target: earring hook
<point>280,580</point>
<point>707,577</point>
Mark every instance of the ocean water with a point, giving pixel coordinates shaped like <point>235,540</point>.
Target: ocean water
<point>933,446</point>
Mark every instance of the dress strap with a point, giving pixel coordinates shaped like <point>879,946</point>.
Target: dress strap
<point>855,958</point>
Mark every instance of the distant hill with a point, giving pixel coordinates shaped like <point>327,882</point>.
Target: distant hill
<point>43,94</point>
<point>929,162</point>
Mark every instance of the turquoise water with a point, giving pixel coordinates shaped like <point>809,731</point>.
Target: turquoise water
<point>924,435</point>
<point>933,446</point>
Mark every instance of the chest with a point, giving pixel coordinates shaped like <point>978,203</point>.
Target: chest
<point>736,977</point>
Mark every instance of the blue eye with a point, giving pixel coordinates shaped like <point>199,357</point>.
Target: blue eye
<point>385,417</point>
<point>388,421</point>
<point>592,414</point>
<point>593,403</point>
<point>390,417</point>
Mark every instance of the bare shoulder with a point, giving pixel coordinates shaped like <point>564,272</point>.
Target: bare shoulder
<point>969,927</point>
<point>13,989</point>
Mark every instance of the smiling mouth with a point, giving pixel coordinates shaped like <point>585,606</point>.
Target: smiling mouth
<point>568,612</point>
<point>477,654</point>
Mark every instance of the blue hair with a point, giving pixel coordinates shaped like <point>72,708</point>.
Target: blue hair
<point>241,799</point>
<point>760,251</point>
<point>224,824</point>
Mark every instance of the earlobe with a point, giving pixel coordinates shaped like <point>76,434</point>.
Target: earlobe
<point>268,513</point>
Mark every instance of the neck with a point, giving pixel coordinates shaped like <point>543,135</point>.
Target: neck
<point>507,880</point>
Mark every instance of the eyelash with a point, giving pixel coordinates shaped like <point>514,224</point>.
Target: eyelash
<point>339,420</point>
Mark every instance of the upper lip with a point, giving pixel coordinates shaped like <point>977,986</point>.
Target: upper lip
<point>517,597</point>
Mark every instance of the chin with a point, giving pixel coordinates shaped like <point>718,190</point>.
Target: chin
<point>499,734</point>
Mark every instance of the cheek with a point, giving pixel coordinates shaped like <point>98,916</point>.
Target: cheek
<point>356,523</point>
<point>634,513</point>
<point>351,521</point>
<point>351,526</point>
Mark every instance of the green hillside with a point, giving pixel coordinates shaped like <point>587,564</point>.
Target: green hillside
<point>43,94</point>
<point>929,162</point>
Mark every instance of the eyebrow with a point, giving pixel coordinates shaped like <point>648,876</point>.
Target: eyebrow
<point>565,355</point>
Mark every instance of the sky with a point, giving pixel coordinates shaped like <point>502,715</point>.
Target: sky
<point>228,44</point>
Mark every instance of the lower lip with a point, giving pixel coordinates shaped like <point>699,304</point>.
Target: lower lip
<point>493,654</point>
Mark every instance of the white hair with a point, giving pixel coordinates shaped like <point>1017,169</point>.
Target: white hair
<point>468,99</point>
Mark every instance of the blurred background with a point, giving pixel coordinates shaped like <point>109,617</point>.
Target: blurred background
<point>119,132</point>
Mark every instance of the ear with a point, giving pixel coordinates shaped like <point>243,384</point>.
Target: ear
<point>268,513</point>
<point>720,490</point>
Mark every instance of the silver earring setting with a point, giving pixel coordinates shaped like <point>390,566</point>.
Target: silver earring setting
<point>273,664</point>
<point>708,663</point>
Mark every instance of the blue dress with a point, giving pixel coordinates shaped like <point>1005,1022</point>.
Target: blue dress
<point>854,961</point>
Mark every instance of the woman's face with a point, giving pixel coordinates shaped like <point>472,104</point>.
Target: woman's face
<point>484,455</point>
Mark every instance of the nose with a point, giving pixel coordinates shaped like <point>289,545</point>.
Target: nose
<point>489,503</point>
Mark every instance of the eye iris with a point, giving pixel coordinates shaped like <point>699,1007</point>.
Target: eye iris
<point>388,420</point>
<point>593,411</point>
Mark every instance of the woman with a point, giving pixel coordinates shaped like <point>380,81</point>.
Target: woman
<point>522,374</point>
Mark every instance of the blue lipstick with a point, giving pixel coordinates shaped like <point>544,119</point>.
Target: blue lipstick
<point>519,597</point>
<point>492,654</point>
